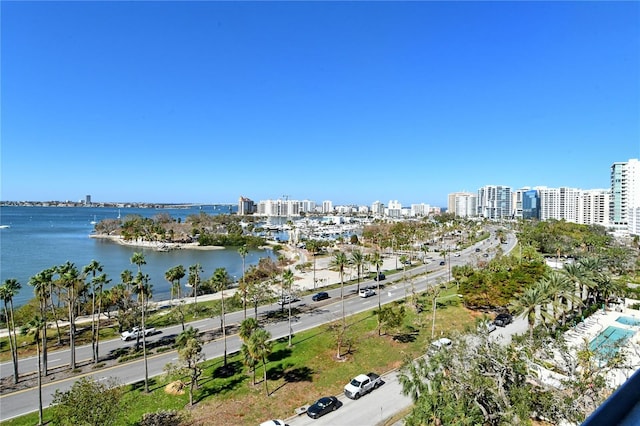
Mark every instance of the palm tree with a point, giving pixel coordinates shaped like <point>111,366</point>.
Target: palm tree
<point>36,325</point>
<point>174,275</point>
<point>260,348</point>
<point>183,338</point>
<point>358,260</point>
<point>376,260</point>
<point>69,279</point>
<point>340,262</point>
<point>220,280</point>
<point>526,304</point>
<point>100,281</point>
<point>243,252</point>
<point>194,279</point>
<point>138,259</point>
<point>404,259</point>
<point>287,281</point>
<point>247,327</point>
<point>8,291</point>
<point>41,283</point>
<point>92,268</point>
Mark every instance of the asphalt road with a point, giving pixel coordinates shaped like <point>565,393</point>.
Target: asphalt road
<point>26,401</point>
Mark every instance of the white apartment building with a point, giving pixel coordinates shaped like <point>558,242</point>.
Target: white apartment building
<point>516,201</point>
<point>327,206</point>
<point>463,204</point>
<point>278,208</point>
<point>494,202</point>
<point>560,203</point>
<point>594,207</point>
<point>419,210</point>
<point>377,208</point>
<point>394,209</point>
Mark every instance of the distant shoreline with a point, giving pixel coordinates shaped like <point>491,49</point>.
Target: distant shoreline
<point>156,245</point>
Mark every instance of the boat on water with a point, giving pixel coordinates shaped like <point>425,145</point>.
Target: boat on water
<point>4,226</point>
<point>94,221</point>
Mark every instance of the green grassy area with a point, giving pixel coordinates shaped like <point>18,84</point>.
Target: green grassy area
<point>297,375</point>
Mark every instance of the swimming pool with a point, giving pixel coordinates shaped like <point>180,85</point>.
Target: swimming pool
<point>629,321</point>
<point>609,341</point>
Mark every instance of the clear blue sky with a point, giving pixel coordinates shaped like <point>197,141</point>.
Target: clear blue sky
<point>347,101</point>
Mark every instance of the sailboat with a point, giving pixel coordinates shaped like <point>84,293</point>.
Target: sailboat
<point>94,221</point>
<point>118,213</point>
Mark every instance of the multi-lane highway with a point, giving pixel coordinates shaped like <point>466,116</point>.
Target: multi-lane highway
<point>22,402</point>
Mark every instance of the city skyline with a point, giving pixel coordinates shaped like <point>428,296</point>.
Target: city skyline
<point>351,102</point>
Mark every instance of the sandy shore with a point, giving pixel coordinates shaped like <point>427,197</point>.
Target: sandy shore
<point>156,245</point>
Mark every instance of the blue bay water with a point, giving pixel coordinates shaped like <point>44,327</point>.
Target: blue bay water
<point>42,237</point>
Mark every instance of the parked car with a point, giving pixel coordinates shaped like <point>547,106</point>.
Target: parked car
<point>477,250</point>
<point>320,296</point>
<point>502,320</point>
<point>442,263</point>
<point>322,406</point>
<point>456,255</point>
<point>366,292</point>
<point>436,345</point>
<point>380,277</point>
<point>362,384</point>
<point>273,423</point>
<point>287,299</point>
<point>486,327</point>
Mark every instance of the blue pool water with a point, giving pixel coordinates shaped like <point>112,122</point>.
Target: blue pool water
<point>609,341</point>
<point>629,321</point>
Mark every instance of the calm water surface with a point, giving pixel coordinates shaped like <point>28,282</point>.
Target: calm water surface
<point>41,237</point>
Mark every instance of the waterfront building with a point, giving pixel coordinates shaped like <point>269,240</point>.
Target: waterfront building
<point>327,206</point>
<point>246,206</point>
<point>559,203</point>
<point>516,201</point>
<point>494,202</point>
<point>462,204</point>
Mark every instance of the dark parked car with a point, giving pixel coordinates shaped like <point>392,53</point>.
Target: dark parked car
<point>442,263</point>
<point>322,406</point>
<point>477,250</point>
<point>320,296</point>
<point>379,277</point>
<point>503,319</point>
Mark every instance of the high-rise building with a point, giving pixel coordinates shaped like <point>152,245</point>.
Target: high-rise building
<point>594,207</point>
<point>494,202</point>
<point>559,203</point>
<point>462,204</point>
<point>246,206</point>
<point>531,204</point>
<point>516,201</point>
<point>624,204</point>
<point>87,200</point>
<point>327,206</point>
<point>377,208</point>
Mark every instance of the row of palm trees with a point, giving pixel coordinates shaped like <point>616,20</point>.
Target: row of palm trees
<point>559,293</point>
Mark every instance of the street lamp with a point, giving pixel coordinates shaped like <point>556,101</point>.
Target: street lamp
<point>435,299</point>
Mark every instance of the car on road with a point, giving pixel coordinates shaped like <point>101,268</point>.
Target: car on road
<point>485,255</point>
<point>442,263</point>
<point>366,292</point>
<point>323,406</point>
<point>320,296</point>
<point>273,423</point>
<point>502,320</point>
<point>456,255</point>
<point>287,299</point>
<point>477,250</point>
<point>379,277</point>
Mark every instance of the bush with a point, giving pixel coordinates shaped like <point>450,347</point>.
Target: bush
<point>161,418</point>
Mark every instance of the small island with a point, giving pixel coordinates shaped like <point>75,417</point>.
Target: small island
<point>165,233</point>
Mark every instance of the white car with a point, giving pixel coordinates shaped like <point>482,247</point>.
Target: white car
<point>273,423</point>
<point>366,292</point>
<point>287,299</point>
